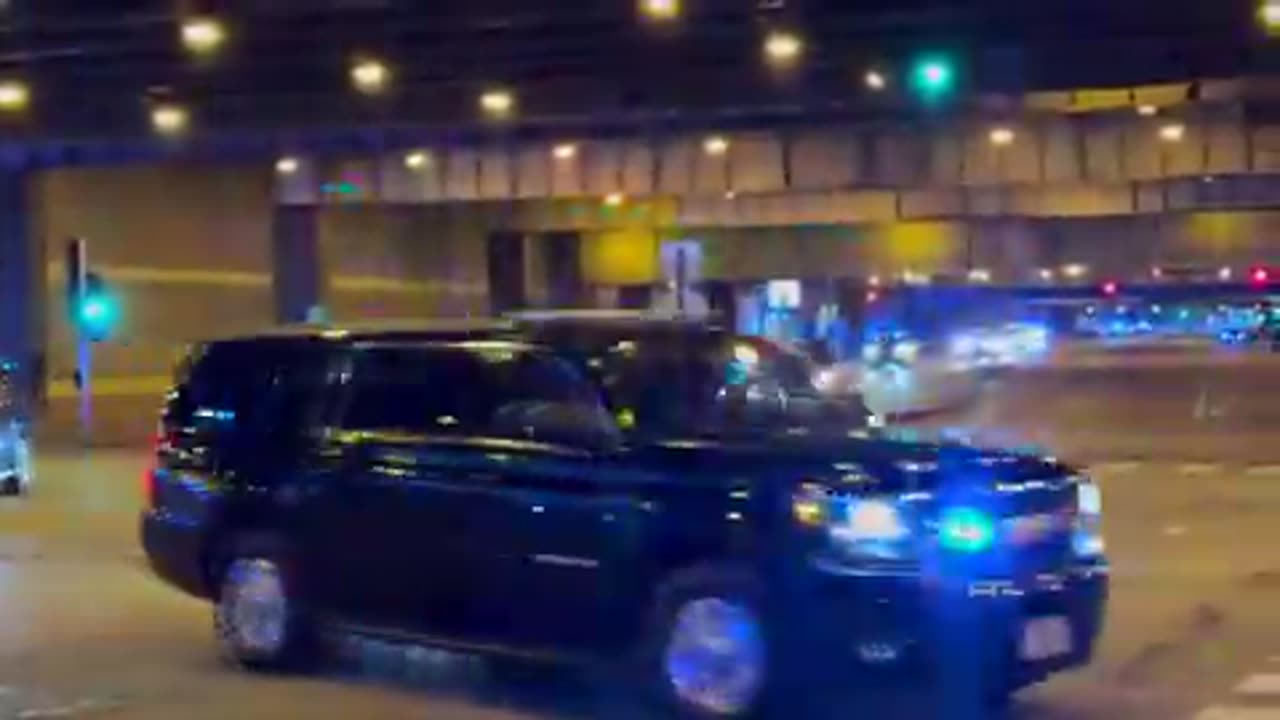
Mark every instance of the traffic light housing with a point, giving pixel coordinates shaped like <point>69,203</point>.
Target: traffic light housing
<point>98,310</point>
<point>92,305</point>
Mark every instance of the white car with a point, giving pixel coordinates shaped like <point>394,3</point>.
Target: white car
<point>15,458</point>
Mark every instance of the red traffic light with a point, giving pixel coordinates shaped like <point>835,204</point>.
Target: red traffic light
<point>1260,276</point>
<point>1110,288</point>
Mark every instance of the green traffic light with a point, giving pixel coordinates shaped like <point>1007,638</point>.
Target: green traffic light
<point>95,310</point>
<point>98,315</point>
<point>933,77</point>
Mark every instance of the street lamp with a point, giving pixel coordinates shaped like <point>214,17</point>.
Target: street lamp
<point>564,151</point>
<point>14,96</point>
<point>1148,110</point>
<point>660,9</point>
<point>716,145</point>
<point>782,49</point>
<point>370,76</point>
<point>1269,15</point>
<point>203,35</point>
<point>1172,132</point>
<point>416,159</point>
<point>875,80</point>
<point>1001,136</point>
<point>497,104</point>
<point>287,165</point>
<point>614,199</point>
<point>170,119</point>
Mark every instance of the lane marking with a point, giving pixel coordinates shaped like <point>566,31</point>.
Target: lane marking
<point>1199,468</point>
<point>1263,471</point>
<point>1262,684</point>
<point>1238,713</point>
<point>1116,468</point>
<point>1175,530</point>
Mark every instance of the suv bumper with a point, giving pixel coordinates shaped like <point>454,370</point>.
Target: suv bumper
<point>905,621</point>
<point>175,551</point>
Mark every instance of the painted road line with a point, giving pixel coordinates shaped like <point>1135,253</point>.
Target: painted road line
<point>1194,469</point>
<point>1238,713</point>
<point>1260,685</point>
<point>1115,468</point>
<point>1263,471</point>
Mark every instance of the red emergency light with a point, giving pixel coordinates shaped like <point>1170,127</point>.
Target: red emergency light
<point>1110,288</point>
<point>1260,276</point>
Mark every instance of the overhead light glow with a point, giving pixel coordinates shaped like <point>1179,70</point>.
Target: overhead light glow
<point>1001,136</point>
<point>715,145</point>
<point>170,119</point>
<point>614,199</point>
<point>1148,110</point>
<point>980,275</point>
<point>730,194</point>
<point>875,80</point>
<point>497,103</point>
<point>370,76</point>
<point>287,165</point>
<point>416,159</point>
<point>203,35</point>
<point>660,9</point>
<point>565,151</point>
<point>1046,274</point>
<point>1075,270</point>
<point>1172,132</point>
<point>1224,273</point>
<point>14,96</point>
<point>1269,15</point>
<point>783,48</point>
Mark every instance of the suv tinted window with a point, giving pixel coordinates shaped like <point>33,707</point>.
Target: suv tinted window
<point>219,386</point>
<point>475,390</point>
<point>437,390</point>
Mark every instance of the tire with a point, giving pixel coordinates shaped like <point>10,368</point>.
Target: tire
<point>258,615</point>
<point>708,623</point>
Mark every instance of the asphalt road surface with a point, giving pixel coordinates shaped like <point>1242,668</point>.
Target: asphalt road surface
<point>1194,629</point>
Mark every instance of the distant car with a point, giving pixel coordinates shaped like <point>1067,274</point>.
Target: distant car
<point>586,490</point>
<point>15,444</point>
<point>1240,336</point>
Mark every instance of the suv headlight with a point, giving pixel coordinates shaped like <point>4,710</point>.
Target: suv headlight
<point>1086,538</point>
<point>858,528</point>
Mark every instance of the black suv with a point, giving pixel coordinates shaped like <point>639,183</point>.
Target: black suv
<point>592,488</point>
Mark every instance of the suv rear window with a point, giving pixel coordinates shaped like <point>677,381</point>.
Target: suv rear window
<point>266,388</point>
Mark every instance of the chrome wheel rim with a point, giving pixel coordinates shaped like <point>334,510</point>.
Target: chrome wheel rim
<point>254,610</point>
<point>715,657</point>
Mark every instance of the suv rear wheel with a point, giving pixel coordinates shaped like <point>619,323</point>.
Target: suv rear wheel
<point>710,654</point>
<point>257,617</point>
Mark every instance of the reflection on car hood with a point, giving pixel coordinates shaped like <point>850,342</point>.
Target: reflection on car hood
<point>895,460</point>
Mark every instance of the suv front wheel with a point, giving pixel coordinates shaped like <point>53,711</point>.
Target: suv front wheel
<point>257,617</point>
<point>710,653</point>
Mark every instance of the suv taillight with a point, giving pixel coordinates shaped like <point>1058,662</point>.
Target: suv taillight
<point>159,444</point>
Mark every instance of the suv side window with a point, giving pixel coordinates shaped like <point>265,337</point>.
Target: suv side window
<point>222,388</point>
<point>542,397</point>
<point>427,390</point>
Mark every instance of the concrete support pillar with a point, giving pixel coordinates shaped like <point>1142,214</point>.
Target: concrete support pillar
<point>21,282</point>
<point>295,267</point>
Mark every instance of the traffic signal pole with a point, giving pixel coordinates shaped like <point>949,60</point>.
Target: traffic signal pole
<point>78,280</point>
